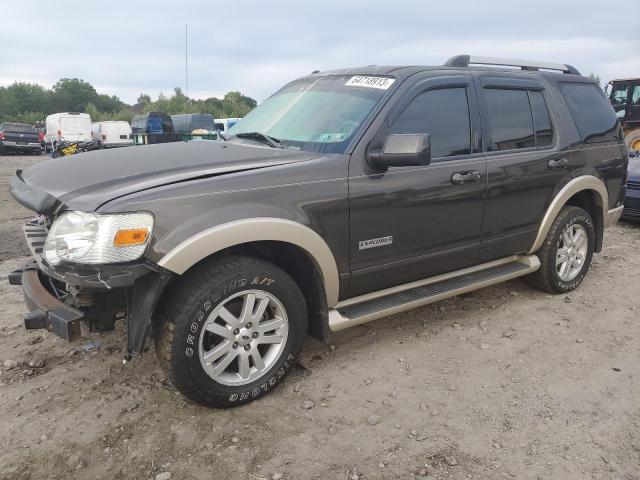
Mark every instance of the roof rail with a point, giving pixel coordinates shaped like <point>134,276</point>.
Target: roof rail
<point>466,60</point>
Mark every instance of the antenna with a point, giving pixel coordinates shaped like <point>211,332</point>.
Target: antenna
<point>186,65</point>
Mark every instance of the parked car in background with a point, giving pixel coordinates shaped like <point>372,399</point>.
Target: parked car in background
<point>111,134</point>
<point>153,127</point>
<point>19,137</point>
<point>625,98</point>
<point>631,210</point>
<point>68,126</point>
<point>409,185</point>
<point>188,122</point>
<point>224,124</point>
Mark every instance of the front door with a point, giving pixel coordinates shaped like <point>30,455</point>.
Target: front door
<point>408,223</point>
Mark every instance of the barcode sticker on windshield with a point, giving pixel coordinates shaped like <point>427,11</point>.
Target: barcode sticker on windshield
<point>381,83</point>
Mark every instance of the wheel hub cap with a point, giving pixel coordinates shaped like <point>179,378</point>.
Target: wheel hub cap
<point>243,337</point>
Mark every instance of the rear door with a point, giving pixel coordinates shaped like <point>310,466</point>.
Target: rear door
<point>408,223</point>
<point>525,162</point>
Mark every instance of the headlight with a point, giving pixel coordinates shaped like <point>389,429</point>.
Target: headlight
<point>91,238</point>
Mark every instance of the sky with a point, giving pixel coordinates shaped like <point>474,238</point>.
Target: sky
<point>125,48</point>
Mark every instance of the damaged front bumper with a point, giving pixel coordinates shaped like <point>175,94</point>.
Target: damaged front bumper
<point>60,310</point>
<point>45,309</point>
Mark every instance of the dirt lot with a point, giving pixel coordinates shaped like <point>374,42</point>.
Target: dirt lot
<point>506,382</point>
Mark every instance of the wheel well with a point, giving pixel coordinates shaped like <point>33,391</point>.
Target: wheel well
<point>588,200</point>
<point>302,268</point>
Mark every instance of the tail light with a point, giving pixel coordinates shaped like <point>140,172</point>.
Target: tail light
<point>1,135</point>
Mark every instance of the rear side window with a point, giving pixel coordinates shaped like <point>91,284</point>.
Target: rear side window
<point>444,115</point>
<point>510,118</point>
<point>541,119</point>
<point>592,113</point>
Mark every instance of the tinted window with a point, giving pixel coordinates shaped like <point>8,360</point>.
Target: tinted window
<point>541,120</point>
<point>444,115</point>
<point>510,119</point>
<point>592,113</point>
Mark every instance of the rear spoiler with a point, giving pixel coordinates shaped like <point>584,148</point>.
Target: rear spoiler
<point>33,198</point>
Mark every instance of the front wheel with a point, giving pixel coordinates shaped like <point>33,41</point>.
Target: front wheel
<point>566,253</point>
<point>232,330</point>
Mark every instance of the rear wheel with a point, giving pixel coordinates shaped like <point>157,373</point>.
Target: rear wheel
<point>566,254</point>
<point>232,330</point>
<point>633,139</point>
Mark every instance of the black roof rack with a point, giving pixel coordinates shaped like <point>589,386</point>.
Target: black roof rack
<point>466,60</point>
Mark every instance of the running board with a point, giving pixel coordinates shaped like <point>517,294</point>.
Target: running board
<point>390,301</point>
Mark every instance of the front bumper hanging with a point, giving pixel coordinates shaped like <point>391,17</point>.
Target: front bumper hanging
<point>141,283</point>
<point>46,310</point>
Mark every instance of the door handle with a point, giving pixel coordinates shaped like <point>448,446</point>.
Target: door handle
<point>470,176</point>
<point>560,163</point>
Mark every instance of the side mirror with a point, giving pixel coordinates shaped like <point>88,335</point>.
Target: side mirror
<point>403,150</point>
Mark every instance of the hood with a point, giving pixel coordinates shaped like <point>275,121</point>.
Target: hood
<point>93,178</point>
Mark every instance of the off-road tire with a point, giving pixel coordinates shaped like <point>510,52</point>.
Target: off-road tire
<point>632,137</point>
<point>183,314</point>
<point>546,278</point>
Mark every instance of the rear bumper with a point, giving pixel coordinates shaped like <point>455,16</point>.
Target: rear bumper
<point>46,310</point>
<point>19,146</point>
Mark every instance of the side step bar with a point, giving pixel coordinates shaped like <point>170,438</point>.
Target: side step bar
<point>390,301</point>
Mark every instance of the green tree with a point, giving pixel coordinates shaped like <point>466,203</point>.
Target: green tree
<point>596,78</point>
<point>72,95</point>
<point>31,103</point>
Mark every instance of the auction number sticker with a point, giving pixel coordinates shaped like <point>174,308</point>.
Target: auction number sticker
<point>381,83</point>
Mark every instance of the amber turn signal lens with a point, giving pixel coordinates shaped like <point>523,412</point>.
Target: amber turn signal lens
<point>125,238</point>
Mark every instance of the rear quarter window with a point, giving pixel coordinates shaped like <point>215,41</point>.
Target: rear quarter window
<point>592,113</point>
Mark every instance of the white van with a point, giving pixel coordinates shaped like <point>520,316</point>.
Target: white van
<point>224,124</point>
<point>111,134</point>
<point>70,126</point>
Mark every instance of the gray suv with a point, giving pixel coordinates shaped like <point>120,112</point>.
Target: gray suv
<point>346,196</point>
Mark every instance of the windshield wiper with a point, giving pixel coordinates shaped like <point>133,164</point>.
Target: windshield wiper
<point>261,137</point>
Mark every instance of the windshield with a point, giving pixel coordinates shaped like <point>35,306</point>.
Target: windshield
<point>319,114</point>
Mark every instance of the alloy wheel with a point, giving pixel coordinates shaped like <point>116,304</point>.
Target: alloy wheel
<point>243,337</point>
<point>571,252</point>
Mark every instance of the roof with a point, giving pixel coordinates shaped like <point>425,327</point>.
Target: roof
<point>459,63</point>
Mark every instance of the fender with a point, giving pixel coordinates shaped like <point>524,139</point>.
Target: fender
<point>215,239</point>
<point>578,184</point>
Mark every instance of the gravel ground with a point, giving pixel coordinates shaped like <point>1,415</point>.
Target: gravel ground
<point>506,382</point>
